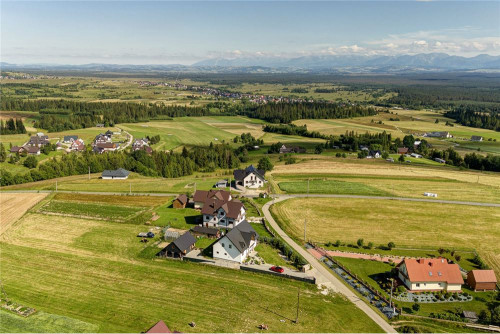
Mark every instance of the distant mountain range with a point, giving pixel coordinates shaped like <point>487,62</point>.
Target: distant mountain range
<point>429,61</point>
<point>307,64</point>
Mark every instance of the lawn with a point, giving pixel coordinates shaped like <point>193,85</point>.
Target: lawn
<point>177,218</point>
<point>418,225</point>
<point>261,230</point>
<point>272,256</point>
<point>94,274</point>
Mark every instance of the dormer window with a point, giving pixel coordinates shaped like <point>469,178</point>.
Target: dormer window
<point>430,273</point>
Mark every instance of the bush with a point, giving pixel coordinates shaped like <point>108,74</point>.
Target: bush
<point>30,162</point>
<point>415,307</point>
<point>391,245</point>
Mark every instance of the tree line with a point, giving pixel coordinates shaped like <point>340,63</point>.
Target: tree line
<point>12,126</point>
<point>288,112</point>
<point>293,130</point>
<point>168,165</point>
<point>476,116</point>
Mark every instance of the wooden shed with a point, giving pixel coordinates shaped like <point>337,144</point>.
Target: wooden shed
<point>482,280</point>
<point>180,202</point>
<point>180,247</point>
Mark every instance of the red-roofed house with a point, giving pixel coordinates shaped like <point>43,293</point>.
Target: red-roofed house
<point>482,280</point>
<point>430,275</point>
<point>159,327</point>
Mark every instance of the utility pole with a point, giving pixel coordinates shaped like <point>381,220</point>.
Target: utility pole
<point>305,228</point>
<point>56,185</point>
<point>89,173</point>
<point>194,187</point>
<point>307,187</point>
<point>130,188</point>
<point>298,305</point>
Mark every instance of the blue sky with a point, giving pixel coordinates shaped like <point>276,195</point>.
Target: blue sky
<point>164,32</point>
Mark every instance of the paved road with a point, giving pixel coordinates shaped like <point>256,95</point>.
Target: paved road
<point>322,274</point>
<point>410,199</point>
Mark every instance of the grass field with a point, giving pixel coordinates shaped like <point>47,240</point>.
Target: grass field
<point>91,210</point>
<point>42,322</point>
<point>383,185</point>
<point>380,221</point>
<point>135,183</point>
<point>14,206</point>
<point>271,256</point>
<point>94,274</point>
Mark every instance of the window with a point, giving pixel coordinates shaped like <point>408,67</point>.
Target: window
<point>430,273</point>
<point>418,285</point>
<point>230,246</point>
<point>222,244</point>
<point>225,254</point>
<point>217,252</point>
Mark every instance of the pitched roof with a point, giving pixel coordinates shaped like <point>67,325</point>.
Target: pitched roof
<point>182,198</point>
<point>205,230</point>
<point>184,241</point>
<point>240,174</point>
<point>33,149</point>
<point>68,138</point>
<point>15,149</point>
<point>120,172</point>
<point>106,145</point>
<point>402,150</point>
<point>483,276</point>
<point>203,195</point>
<point>241,235</point>
<point>433,270</point>
<point>159,327</point>
<point>231,208</point>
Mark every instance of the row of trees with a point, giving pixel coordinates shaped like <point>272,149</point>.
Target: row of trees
<point>12,126</point>
<point>163,164</point>
<point>293,130</point>
<point>288,112</point>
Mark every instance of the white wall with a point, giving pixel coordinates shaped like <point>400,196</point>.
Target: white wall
<point>226,253</point>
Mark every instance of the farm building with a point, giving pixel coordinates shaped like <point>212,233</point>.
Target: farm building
<point>201,196</point>
<point>180,202</point>
<point>118,174</point>
<point>403,150</point>
<point>482,280</point>
<point>470,316</point>
<point>221,184</point>
<point>236,244</point>
<point>291,149</point>
<point>476,138</point>
<point>16,149</point>
<point>439,134</point>
<point>159,327</point>
<point>203,231</point>
<point>430,275</point>
<point>179,247</point>
<point>249,177</point>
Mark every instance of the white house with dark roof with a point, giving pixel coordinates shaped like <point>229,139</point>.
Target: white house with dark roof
<point>221,213</point>
<point>117,174</point>
<point>237,244</point>
<point>250,177</point>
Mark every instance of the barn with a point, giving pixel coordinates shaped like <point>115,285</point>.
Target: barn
<point>482,280</point>
<point>180,202</point>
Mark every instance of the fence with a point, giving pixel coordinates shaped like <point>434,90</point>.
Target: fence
<point>311,280</point>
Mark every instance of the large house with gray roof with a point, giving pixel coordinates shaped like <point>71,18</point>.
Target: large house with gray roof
<point>250,177</point>
<point>237,244</point>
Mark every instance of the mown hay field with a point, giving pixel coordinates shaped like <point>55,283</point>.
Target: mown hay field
<point>100,277</point>
<point>14,206</point>
<point>409,224</point>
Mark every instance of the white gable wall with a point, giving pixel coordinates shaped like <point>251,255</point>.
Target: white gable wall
<point>224,249</point>
<point>253,181</point>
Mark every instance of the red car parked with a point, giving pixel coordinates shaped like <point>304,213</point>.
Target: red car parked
<point>277,269</point>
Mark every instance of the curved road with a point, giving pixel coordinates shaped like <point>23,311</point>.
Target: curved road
<point>323,275</point>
